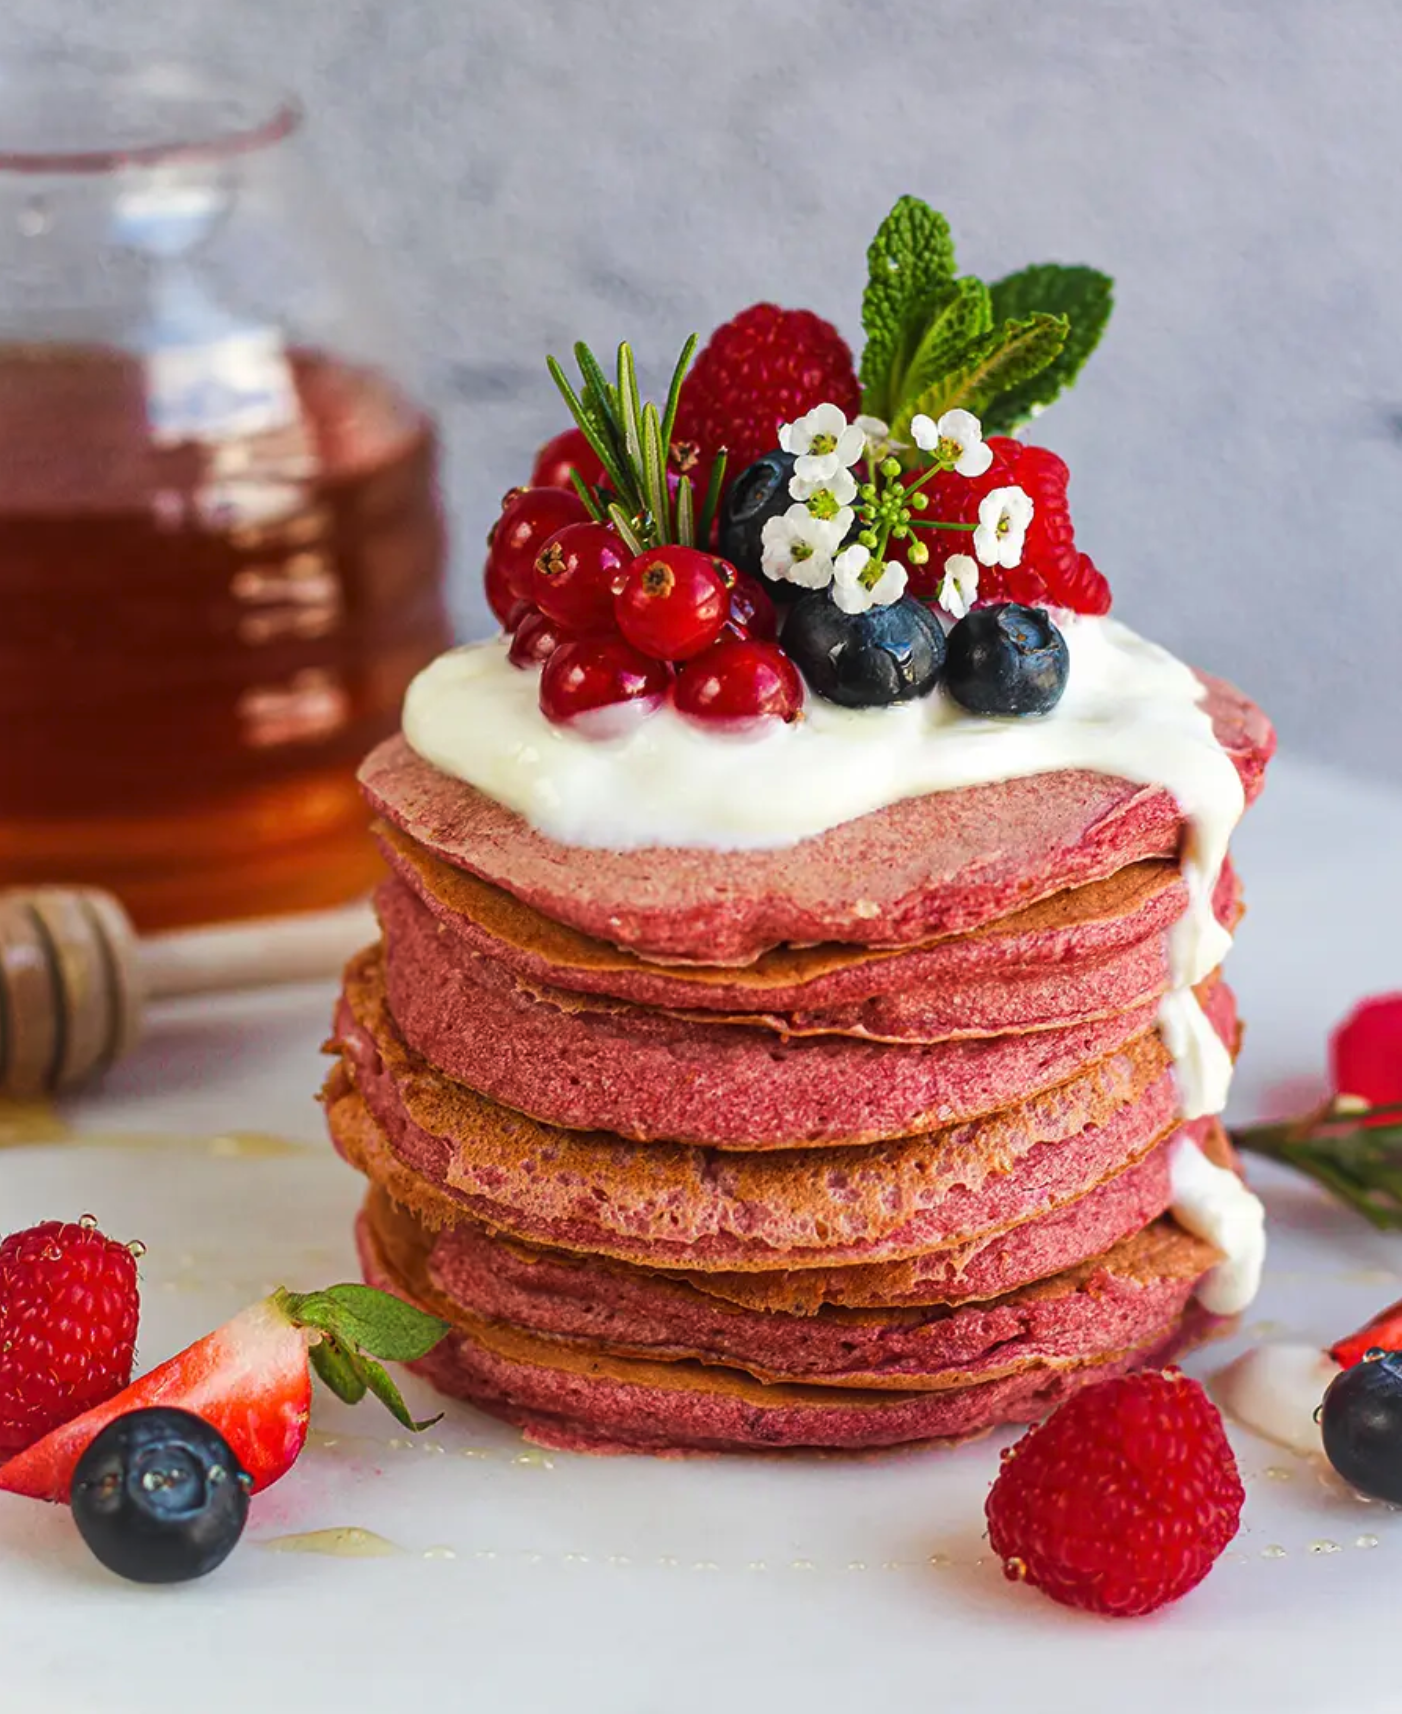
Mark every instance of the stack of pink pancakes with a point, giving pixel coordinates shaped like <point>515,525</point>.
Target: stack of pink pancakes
<point>861,1142</point>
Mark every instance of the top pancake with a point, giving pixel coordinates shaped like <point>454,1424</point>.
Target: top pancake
<point>944,863</point>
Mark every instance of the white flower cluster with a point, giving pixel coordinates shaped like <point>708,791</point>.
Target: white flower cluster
<point>804,545</point>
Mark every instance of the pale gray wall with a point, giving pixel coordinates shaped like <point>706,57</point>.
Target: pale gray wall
<point>541,171</point>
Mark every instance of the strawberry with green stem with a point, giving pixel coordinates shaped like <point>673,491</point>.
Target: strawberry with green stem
<point>251,1380</point>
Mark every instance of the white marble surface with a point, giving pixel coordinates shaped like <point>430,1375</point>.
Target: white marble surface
<point>632,1586</point>
<point>544,171</point>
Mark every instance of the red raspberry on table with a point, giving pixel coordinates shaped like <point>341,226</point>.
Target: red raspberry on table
<point>1122,1500</point>
<point>1365,1051</point>
<point>68,1315</point>
<point>763,369</point>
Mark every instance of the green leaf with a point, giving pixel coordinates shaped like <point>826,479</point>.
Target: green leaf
<point>624,525</point>
<point>364,1319</point>
<point>655,475</point>
<point>1085,297</point>
<point>998,360</point>
<point>589,497</point>
<point>910,275</point>
<point>630,407</point>
<point>712,500</point>
<point>967,312</point>
<point>599,438</point>
<point>390,1397</point>
<point>686,513</point>
<point>674,392</point>
<point>339,1370</point>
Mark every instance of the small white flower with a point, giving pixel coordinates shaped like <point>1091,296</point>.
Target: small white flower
<point>823,442</point>
<point>878,437</point>
<point>958,439</point>
<point>959,585</point>
<point>1003,517</point>
<point>798,547</point>
<point>825,498</point>
<point>851,591</point>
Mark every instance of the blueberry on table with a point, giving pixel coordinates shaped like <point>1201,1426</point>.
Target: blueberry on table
<point>1006,660</point>
<point>159,1496</point>
<point>865,660</point>
<point>760,492</point>
<point>1361,1421</point>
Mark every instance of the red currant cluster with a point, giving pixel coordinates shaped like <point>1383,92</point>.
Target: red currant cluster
<point>608,627</point>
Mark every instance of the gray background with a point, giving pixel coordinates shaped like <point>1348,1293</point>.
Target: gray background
<point>537,172</point>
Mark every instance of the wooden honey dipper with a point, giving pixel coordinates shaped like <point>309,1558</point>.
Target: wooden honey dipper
<point>75,979</point>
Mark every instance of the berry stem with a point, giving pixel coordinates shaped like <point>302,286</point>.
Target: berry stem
<point>1354,1152</point>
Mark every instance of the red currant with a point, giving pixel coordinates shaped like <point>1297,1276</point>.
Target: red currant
<point>752,613</point>
<point>740,679</point>
<point>674,601</point>
<point>529,517</point>
<point>591,673</point>
<point>536,639</point>
<point>566,451</point>
<point>520,610</point>
<point>499,596</point>
<point>576,576</point>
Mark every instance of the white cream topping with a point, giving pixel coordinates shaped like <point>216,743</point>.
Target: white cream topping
<point>1130,709</point>
<point>1275,1391</point>
<point>1212,1203</point>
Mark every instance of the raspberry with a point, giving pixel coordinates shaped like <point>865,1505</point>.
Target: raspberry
<point>1053,572</point>
<point>674,601</point>
<point>764,368</point>
<point>740,680</point>
<point>68,1315</point>
<point>1122,1500</point>
<point>1365,1052</point>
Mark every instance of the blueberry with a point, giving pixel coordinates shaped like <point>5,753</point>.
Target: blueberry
<point>865,660</point>
<point>159,1496</point>
<point>758,493</point>
<point>1361,1420</point>
<point>1006,660</point>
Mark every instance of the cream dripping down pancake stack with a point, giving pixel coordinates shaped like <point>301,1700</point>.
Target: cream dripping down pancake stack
<point>798,1017</point>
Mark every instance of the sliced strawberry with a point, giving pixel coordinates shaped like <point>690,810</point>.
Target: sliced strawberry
<point>251,1379</point>
<point>1382,1333</point>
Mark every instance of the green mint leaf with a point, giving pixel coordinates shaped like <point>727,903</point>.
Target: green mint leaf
<point>910,266</point>
<point>965,314</point>
<point>338,1369</point>
<point>995,362</point>
<point>1085,297</point>
<point>363,1319</point>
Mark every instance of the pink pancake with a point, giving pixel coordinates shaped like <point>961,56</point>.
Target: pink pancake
<point>592,1064</point>
<point>964,986</point>
<point>604,1404</point>
<point>920,868</point>
<point>685,1207</point>
<point>1087,953</point>
<point>1116,1302</point>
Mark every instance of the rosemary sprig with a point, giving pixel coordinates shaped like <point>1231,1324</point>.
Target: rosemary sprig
<point>633,441</point>
<point>1352,1149</point>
